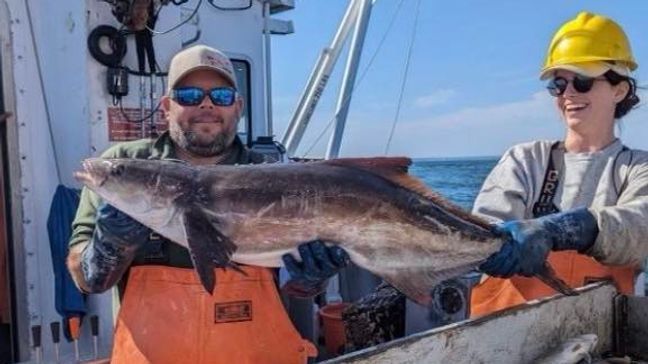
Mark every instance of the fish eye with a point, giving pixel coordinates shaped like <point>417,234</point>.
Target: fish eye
<point>118,170</point>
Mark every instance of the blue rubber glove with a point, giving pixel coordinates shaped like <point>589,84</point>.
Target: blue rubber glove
<point>530,241</point>
<point>112,248</point>
<point>319,263</point>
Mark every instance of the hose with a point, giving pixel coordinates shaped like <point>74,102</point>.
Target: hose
<point>117,44</point>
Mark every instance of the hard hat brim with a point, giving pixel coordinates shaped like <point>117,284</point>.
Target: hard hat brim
<point>587,69</point>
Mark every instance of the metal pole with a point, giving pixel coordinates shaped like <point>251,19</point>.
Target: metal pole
<point>348,81</point>
<point>354,282</point>
<point>142,100</point>
<point>268,69</point>
<point>317,81</point>
<point>152,102</point>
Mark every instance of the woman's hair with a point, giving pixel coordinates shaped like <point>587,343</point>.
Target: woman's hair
<point>630,100</point>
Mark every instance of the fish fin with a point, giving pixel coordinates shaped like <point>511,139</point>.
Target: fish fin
<point>417,284</point>
<point>208,247</point>
<point>395,169</point>
<point>548,276</point>
<point>386,166</point>
<point>233,265</point>
<point>392,168</point>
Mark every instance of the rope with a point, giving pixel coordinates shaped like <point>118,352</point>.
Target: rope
<point>405,74</point>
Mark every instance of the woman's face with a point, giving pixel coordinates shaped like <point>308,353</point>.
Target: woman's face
<point>589,112</point>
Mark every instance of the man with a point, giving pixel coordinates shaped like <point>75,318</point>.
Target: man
<point>165,315</point>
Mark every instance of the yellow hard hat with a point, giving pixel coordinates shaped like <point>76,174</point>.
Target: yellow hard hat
<point>589,38</point>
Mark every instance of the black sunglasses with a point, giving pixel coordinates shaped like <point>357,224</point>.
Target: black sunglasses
<point>192,96</point>
<point>558,85</point>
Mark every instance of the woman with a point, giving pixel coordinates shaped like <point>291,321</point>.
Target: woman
<point>580,204</point>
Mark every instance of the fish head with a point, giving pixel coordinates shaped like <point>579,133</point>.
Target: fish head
<point>144,189</point>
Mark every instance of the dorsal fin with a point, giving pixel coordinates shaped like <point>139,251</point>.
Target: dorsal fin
<point>392,168</point>
<point>386,166</point>
<point>395,170</point>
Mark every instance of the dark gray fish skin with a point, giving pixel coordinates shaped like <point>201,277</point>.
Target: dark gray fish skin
<point>387,221</point>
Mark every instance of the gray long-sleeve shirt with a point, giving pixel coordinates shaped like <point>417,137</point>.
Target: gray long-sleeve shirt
<point>612,182</point>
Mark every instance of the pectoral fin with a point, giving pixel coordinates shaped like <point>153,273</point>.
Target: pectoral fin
<point>208,247</point>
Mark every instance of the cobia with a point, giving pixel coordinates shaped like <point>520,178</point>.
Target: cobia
<point>387,221</point>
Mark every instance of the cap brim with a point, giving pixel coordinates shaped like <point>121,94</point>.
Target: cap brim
<point>590,70</point>
<point>202,67</point>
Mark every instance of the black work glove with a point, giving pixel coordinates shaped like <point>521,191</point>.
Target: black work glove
<point>115,241</point>
<point>530,241</point>
<point>319,263</point>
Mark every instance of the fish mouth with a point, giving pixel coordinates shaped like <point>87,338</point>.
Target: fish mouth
<point>93,173</point>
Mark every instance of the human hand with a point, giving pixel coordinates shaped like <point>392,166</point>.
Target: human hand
<point>319,263</point>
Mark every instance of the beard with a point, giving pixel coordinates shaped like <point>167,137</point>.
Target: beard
<point>199,145</point>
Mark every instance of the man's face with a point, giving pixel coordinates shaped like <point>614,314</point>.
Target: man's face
<point>205,130</point>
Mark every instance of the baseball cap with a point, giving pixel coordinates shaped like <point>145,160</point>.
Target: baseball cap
<point>589,69</point>
<point>199,57</point>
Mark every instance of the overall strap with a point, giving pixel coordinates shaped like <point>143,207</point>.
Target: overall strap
<point>624,179</point>
<point>545,205</point>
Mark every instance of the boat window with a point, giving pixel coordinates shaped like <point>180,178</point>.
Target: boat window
<point>242,71</point>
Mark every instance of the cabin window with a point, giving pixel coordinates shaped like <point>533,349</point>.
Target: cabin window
<point>242,70</point>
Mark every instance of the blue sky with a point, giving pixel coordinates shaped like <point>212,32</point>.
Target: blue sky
<point>472,88</point>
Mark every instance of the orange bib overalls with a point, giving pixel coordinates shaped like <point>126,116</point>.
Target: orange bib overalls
<point>167,317</point>
<point>577,270</point>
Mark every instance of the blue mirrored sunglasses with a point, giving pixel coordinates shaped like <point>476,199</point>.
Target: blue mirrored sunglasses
<point>192,96</point>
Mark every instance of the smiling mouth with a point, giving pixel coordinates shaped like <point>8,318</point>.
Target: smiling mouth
<point>575,107</point>
<point>206,120</point>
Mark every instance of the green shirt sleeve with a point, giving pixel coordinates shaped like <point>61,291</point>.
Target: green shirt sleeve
<point>84,221</point>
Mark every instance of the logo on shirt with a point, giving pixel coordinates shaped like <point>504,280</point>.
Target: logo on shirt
<point>232,312</point>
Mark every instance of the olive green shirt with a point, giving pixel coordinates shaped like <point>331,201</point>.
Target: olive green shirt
<point>158,250</point>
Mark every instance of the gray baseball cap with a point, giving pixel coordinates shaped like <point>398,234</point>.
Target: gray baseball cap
<point>199,57</point>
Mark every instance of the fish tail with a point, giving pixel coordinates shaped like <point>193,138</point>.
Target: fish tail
<point>549,277</point>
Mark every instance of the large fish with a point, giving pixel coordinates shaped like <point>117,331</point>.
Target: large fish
<point>387,221</point>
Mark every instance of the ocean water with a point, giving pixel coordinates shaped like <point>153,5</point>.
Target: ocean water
<point>457,179</point>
